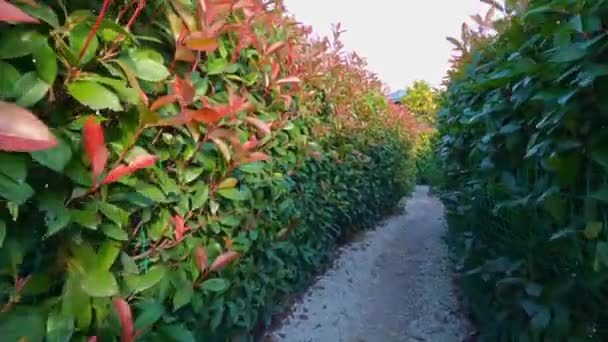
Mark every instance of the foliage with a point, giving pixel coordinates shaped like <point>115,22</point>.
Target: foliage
<point>421,100</point>
<point>523,144</point>
<point>428,168</point>
<point>188,163</point>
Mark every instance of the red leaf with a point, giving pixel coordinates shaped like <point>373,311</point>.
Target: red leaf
<point>12,13</point>
<point>22,131</point>
<point>263,127</point>
<point>200,42</point>
<point>184,90</point>
<point>163,100</point>
<point>251,143</point>
<point>139,162</point>
<point>94,147</point>
<point>223,259</point>
<point>126,319</point>
<point>180,227</point>
<point>274,71</point>
<point>200,258</point>
<point>256,156</point>
<point>206,115</point>
<point>275,47</point>
<point>92,339</point>
<point>292,79</point>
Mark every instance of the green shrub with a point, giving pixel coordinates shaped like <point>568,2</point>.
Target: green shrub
<point>428,168</point>
<point>200,161</point>
<point>523,144</point>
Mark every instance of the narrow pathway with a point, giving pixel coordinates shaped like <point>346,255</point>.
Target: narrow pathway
<point>394,285</point>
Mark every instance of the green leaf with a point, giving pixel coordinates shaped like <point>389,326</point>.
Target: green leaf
<point>57,216</point>
<point>601,253</point>
<point>150,313</point>
<point>231,194</point>
<point>138,283</point>
<point>215,285</point>
<point>114,213</point>
<point>22,325</point>
<point>192,173</point>
<point>182,297</point>
<point>99,283</point>
<point>14,166</point>
<point>45,59</point>
<point>150,70</point>
<point>55,158</point>
<point>255,167</point>
<point>59,328</point>
<point>126,93</point>
<point>16,43</point>
<point>94,95</point>
<point>541,319</point>
<point>108,252</point>
<point>10,76</point>
<point>593,230</point>
<point>151,191</point>
<point>600,155</point>
<point>87,218</point>
<point>77,38</point>
<point>200,197</point>
<point>115,232</point>
<point>2,232</point>
<point>216,66</point>
<point>30,89</point>
<point>42,12</point>
<point>177,333</point>
<point>128,264</point>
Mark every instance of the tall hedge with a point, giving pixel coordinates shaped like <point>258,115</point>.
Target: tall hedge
<point>524,145</point>
<point>172,169</point>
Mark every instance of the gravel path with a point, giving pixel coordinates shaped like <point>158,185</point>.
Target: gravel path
<point>392,285</point>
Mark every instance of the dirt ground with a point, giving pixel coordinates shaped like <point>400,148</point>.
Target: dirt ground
<point>393,284</point>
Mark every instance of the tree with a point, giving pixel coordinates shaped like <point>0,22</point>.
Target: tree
<point>421,99</point>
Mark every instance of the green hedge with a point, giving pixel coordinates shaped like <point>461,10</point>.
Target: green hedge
<point>204,161</point>
<point>523,143</point>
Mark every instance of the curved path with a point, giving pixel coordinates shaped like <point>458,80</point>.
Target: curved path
<point>393,285</point>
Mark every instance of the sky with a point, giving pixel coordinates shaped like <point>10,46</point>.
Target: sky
<point>402,40</point>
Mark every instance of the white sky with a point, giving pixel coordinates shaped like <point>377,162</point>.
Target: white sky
<point>403,40</point>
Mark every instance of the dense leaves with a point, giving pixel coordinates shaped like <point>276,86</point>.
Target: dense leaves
<point>180,166</point>
<point>523,143</point>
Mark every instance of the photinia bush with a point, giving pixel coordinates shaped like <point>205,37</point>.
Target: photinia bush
<point>523,144</point>
<point>170,169</point>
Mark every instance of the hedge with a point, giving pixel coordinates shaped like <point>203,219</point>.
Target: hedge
<point>172,169</point>
<point>523,143</point>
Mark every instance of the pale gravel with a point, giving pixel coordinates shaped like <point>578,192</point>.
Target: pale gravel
<point>393,285</point>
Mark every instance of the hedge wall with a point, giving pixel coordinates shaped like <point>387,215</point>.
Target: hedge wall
<point>524,144</point>
<point>173,168</point>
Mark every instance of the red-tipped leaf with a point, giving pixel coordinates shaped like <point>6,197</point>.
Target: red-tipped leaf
<point>94,147</point>
<point>123,310</point>
<point>292,79</point>
<point>206,115</point>
<point>223,260</point>
<point>200,42</point>
<point>180,227</point>
<point>22,131</point>
<point>12,13</point>
<point>184,90</point>
<point>140,162</point>
<point>275,47</point>
<point>263,127</point>
<point>163,100</point>
<point>200,258</point>
<point>256,156</point>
